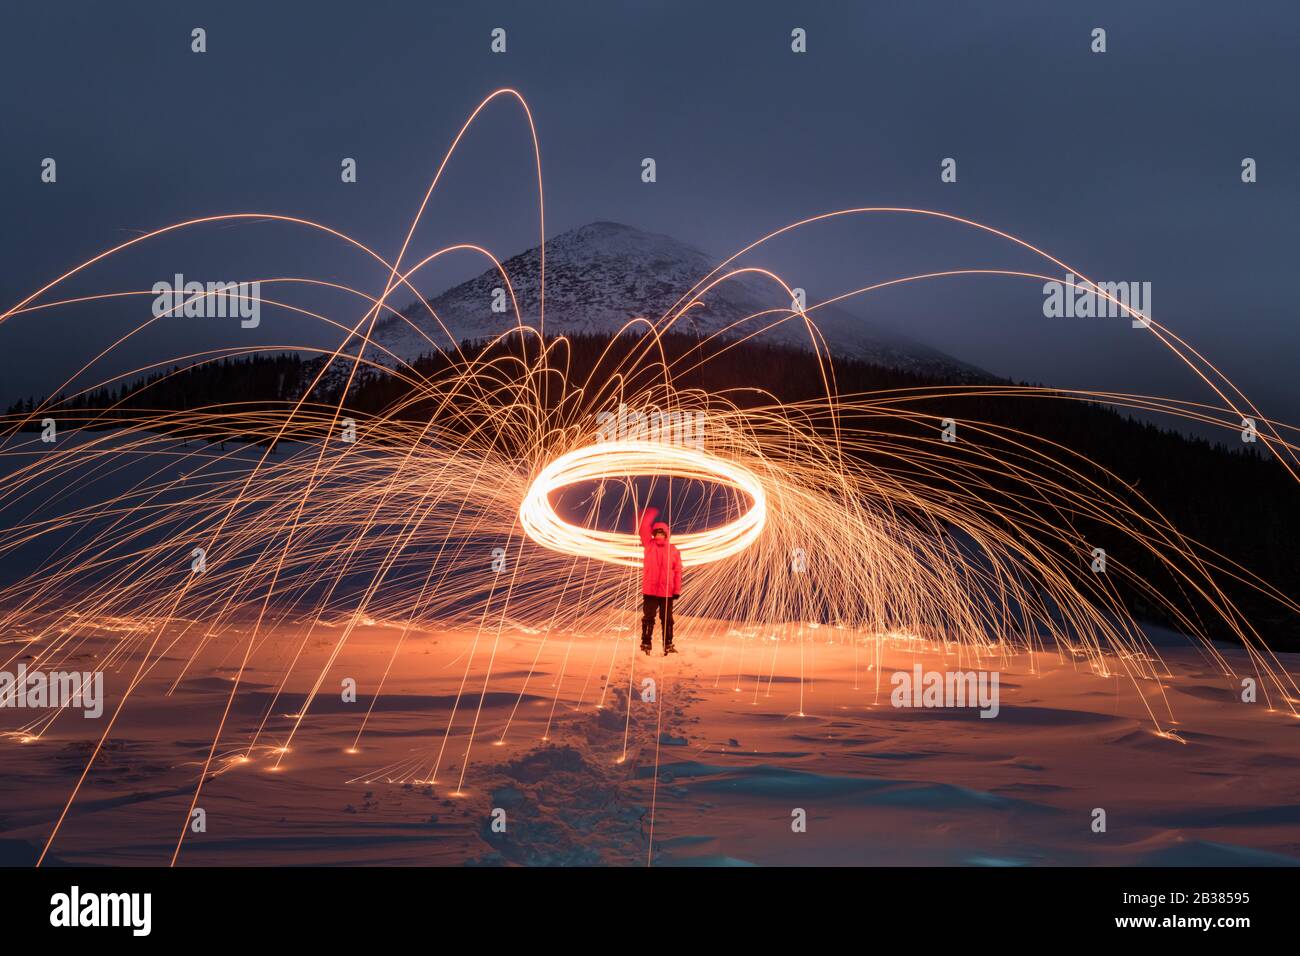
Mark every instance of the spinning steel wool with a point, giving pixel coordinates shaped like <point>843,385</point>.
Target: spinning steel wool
<point>814,514</point>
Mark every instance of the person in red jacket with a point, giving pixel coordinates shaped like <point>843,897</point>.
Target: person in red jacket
<point>661,581</point>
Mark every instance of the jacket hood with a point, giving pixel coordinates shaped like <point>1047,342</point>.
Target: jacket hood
<point>657,526</point>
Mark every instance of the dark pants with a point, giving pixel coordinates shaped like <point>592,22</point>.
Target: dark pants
<point>650,606</point>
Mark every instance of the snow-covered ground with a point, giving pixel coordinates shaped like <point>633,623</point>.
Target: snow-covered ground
<point>742,733</point>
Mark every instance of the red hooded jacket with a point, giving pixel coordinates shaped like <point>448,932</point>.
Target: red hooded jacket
<point>661,568</point>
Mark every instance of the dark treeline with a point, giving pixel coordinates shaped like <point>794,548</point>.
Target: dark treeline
<point>1232,499</point>
<point>261,383</point>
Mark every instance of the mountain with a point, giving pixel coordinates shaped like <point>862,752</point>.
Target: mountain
<point>601,274</point>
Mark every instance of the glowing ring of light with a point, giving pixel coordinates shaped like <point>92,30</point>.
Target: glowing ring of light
<point>624,458</point>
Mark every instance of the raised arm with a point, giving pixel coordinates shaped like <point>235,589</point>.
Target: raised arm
<point>647,519</point>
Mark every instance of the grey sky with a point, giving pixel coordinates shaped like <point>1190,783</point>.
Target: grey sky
<point>1126,164</point>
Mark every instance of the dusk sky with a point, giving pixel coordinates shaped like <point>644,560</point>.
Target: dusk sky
<point>1126,164</point>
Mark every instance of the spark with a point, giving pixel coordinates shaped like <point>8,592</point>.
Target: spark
<point>913,545</point>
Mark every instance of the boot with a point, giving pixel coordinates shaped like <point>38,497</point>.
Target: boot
<point>647,635</point>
